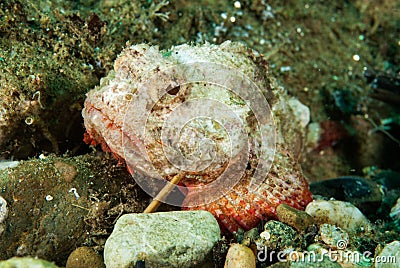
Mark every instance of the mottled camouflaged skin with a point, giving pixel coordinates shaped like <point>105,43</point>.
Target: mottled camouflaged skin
<point>104,115</point>
<point>243,209</point>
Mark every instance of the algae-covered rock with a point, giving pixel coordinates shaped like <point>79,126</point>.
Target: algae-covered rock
<point>298,219</point>
<point>276,236</point>
<point>164,239</point>
<point>26,262</point>
<point>57,203</point>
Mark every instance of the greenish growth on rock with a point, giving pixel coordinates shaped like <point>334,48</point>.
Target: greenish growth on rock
<point>324,263</point>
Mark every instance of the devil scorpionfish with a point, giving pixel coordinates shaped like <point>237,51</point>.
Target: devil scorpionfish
<point>212,113</point>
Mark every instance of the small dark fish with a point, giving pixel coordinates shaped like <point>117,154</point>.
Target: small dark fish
<point>364,193</point>
<point>140,264</point>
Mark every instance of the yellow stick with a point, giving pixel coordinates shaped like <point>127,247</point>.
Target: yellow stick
<point>163,193</point>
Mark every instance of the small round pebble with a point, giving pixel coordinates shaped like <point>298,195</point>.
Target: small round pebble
<point>334,236</point>
<point>84,257</point>
<point>240,256</point>
<point>277,236</point>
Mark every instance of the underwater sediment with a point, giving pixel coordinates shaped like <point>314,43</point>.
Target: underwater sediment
<point>340,59</point>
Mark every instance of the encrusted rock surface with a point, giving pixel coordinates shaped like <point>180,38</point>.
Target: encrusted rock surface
<point>50,212</point>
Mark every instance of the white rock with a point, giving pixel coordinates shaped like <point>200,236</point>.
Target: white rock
<point>313,134</point>
<point>166,239</point>
<point>3,214</point>
<point>8,164</point>
<point>339,213</point>
<point>301,111</point>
